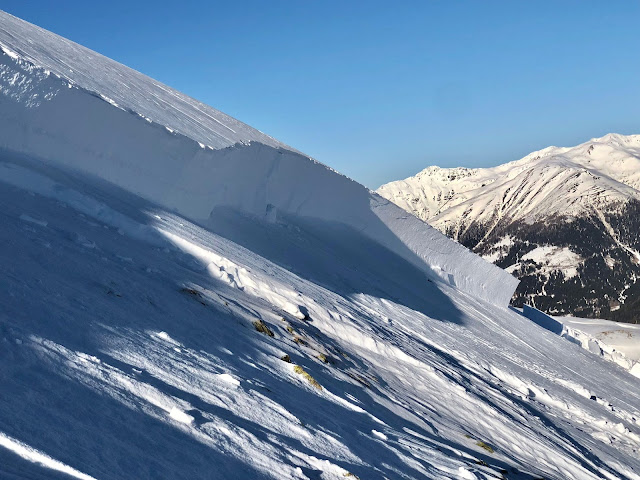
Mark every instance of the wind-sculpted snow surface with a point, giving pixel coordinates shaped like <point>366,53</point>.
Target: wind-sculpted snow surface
<point>170,309</point>
<point>69,106</point>
<point>136,344</point>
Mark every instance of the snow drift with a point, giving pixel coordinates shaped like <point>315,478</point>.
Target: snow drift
<point>73,107</point>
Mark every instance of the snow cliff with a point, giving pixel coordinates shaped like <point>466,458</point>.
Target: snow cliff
<point>66,104</point>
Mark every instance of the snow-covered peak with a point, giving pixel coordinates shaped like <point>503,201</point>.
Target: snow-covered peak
<point>551,181</point>
<point>618,139</point>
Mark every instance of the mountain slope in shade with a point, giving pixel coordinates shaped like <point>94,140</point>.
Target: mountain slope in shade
<point>563,220</point>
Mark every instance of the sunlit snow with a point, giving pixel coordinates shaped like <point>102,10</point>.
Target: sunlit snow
<point>241,311</point>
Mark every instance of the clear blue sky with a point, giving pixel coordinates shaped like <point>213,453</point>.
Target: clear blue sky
<point>380,90</point>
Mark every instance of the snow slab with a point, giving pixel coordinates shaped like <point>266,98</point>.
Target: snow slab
<point>101,126</point>
<point>271,351</point>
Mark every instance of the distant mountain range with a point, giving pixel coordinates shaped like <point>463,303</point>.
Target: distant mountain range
<point>565,221</point>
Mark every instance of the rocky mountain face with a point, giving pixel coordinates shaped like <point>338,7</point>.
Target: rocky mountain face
<point>565,221</point>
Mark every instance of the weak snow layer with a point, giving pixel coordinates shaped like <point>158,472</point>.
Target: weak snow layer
<point>73,107</point>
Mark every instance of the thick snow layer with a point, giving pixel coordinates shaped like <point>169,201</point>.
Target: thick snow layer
<point>137,344</point>
<point>67,105</point>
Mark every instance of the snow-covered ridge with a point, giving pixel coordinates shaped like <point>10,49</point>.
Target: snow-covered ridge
<point>68,105</point>
<point>123,86</point>
<point>555,180</point>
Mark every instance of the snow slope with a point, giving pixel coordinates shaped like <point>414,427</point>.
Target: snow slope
<point>623,337</point>
<point>129,349</point>
<point>171,149</point>
<point>172,310</point>
<point>615,342</point>
<point>618,342</point>
<point>121,86</point>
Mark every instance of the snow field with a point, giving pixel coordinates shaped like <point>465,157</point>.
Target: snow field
<point>164,333</point>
